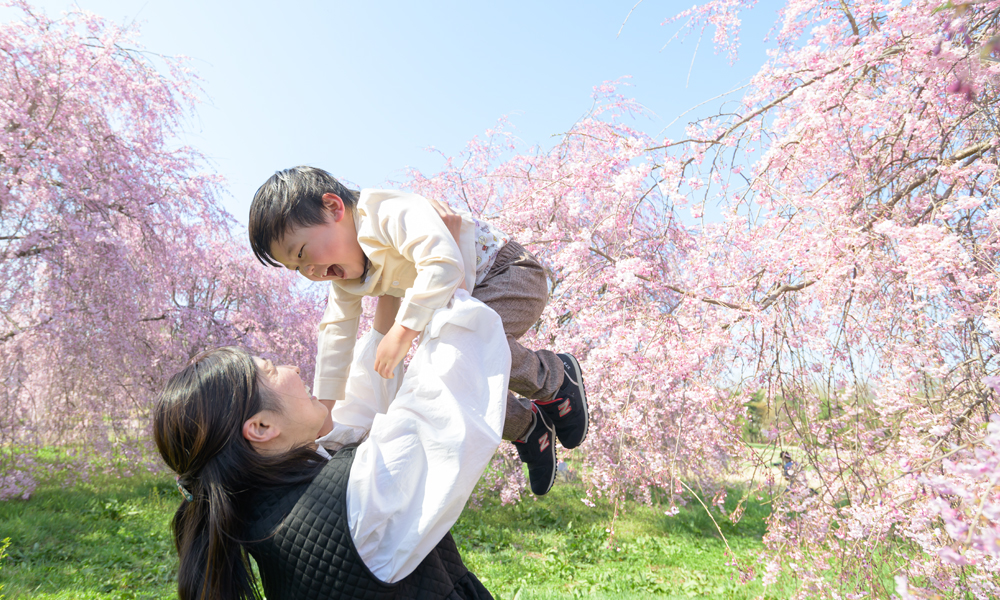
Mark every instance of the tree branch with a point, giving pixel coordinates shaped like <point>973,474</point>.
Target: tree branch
<point>754,114</point>
<point>969,152</point>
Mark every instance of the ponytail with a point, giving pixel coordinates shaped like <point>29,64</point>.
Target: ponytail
<point>197,426</point>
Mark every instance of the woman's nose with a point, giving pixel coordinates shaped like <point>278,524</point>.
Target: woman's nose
<point>294,368</point>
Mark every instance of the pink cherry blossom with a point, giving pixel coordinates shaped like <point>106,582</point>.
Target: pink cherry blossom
<point>850,275</point>
<point>118,263</point>
<point>828,243</point>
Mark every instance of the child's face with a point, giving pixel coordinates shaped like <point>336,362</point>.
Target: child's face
<point>324,252</point>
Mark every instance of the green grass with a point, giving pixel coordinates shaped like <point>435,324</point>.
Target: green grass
<point>557,547</point>
<point>106,539</point>
<point>109,539</point>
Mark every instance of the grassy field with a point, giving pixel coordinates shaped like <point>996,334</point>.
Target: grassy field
<point>109,539</point>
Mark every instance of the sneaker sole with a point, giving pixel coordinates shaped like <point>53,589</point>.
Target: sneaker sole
<point>578,377</point>
<point>552,450</point>
<point>552,480</point>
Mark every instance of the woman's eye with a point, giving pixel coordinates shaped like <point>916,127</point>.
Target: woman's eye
<point>300,251</point>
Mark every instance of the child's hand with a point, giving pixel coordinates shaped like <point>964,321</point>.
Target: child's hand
<point>392,349</point>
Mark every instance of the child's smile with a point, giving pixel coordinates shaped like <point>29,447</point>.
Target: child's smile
<point>324,252</point>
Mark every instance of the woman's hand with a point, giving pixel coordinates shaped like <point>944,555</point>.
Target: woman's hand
<point>392,349</point>
<point>452,220</point>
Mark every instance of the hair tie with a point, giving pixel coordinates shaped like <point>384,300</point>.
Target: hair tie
<point>183,490</point>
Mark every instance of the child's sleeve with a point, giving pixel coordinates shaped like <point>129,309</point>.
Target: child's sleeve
<point>367,395</point>
<point>410,224</point>
<point>338,332</point>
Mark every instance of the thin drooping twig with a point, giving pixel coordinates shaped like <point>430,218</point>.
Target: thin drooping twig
<point>626,19</point>
<point>755,113</point>
<point>964,446</point>
<point>709,512</point>
<point>693,56</point>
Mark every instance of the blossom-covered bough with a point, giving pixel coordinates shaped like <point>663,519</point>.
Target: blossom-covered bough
<point>116,262</point>
<point>851,271</point>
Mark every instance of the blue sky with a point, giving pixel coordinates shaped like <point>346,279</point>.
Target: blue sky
<point>363,88</point>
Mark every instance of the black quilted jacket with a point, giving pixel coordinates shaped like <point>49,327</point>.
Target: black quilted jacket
<point>311,555</point>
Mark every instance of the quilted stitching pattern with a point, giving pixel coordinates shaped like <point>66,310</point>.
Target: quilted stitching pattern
<point>303,547</point>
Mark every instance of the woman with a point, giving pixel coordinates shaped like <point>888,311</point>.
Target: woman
<point>373,520</point>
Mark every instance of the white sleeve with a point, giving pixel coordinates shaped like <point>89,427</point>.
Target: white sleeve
<point>338,333</point>
<point>409,226</point>
<point>367,395</point>
<point>413,475</point>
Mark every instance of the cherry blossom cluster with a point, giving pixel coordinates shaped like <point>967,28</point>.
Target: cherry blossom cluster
<point>117,262</point>
<point>829,241</point>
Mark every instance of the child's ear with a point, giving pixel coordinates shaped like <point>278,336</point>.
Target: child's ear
<point>260,429</point>
<point>334,204</point>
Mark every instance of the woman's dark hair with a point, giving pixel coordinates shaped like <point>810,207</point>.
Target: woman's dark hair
<point>198,429</point>
<point>288,200</point>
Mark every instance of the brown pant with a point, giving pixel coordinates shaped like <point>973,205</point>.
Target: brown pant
<point>516,288</point>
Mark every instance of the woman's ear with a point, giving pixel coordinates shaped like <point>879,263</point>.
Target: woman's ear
<point>334,204</point>
<point>260,428</point>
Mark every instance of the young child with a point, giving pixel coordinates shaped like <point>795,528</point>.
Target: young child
<point>389,243</point>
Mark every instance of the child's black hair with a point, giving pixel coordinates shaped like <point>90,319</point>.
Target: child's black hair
<point>290,199</point>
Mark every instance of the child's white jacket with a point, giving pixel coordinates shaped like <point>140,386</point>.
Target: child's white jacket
<point>412,255</point>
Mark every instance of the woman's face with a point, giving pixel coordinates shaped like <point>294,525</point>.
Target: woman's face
<point>301,416</point>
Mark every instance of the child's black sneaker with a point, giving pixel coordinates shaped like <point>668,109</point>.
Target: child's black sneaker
<point>568,411</point>
<point>538,450</point>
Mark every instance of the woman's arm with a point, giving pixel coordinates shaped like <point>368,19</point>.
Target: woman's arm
<point>385,313</point>
<point>366,396</point>
<point>413,475</point>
